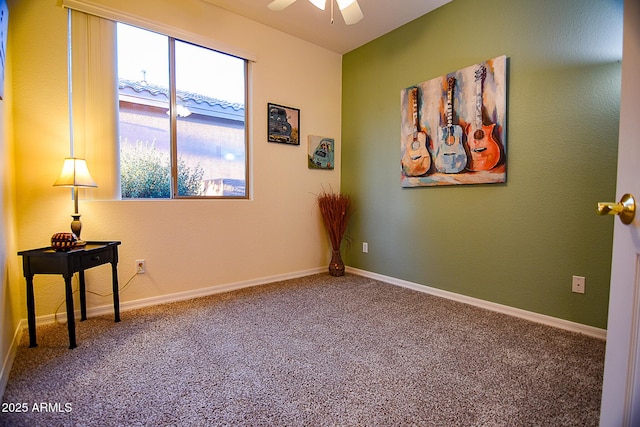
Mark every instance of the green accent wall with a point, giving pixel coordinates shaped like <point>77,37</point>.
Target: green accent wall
<point>518,243</point>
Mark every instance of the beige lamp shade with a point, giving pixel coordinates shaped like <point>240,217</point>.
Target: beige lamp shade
<point>75,174</point>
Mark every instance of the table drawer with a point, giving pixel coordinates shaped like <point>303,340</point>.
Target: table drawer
<point>96,258</point>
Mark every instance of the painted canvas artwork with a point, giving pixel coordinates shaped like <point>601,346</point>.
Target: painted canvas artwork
<point>453,127</point>
<point>321,152</point>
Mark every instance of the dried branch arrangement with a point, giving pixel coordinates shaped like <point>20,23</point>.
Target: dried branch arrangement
<point>336,212</point>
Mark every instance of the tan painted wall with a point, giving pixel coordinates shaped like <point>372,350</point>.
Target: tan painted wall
<point>187,244</point>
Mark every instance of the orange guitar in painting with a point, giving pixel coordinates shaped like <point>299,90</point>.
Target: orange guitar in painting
<point>416,160</point>
<point>484,151</point>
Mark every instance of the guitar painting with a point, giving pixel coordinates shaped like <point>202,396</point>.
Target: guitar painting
<point>449,153</point>
<point>484,151</point>
<point>416,160</point>
<point>453,127</point>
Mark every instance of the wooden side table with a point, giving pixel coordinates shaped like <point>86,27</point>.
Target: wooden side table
<point>48,261</point>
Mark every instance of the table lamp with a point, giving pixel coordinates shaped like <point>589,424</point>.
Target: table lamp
<point>75,174</point>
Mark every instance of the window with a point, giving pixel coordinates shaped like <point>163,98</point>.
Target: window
<point>182,119</point>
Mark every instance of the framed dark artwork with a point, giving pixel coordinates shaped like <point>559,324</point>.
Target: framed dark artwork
<point>283,124</point>
<point>4,25</point>
<point>453,127</point>
<point>321,152</point>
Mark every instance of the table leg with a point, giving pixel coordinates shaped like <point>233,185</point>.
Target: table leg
<point>71,323</point>
<point>83,296</point>
<point>116,297</point>
<point>31,312</point>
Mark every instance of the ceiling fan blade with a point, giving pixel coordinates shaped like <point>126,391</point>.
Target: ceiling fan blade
<point>279,4</point>
<point>320,4</point>
<point>351,12</point>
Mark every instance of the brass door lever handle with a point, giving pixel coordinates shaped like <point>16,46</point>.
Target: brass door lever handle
<point>625,209</point>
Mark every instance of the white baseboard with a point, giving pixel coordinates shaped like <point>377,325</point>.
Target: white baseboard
<point>511,311</point>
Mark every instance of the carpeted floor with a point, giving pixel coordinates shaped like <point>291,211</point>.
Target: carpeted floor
<point>315,351</point>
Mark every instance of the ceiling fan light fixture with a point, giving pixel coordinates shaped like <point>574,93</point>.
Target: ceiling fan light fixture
<point>350,9</point>
<point>320,4</point>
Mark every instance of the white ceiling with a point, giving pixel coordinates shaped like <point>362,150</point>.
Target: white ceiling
<point>303,20</point>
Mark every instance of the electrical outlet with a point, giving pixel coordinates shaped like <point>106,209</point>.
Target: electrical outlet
<point>365,247</point>
<point>141,266</point>
<point>578,284</point>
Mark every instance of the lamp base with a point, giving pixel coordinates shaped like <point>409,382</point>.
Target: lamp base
<point>76,225</point>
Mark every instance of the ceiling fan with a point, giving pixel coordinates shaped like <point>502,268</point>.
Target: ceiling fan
<point>350,9</point>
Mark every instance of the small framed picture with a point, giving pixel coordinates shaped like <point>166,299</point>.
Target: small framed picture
<point>283,124</point>
<point>321,152</point>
